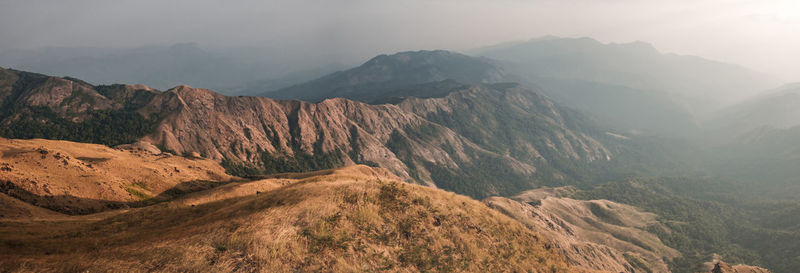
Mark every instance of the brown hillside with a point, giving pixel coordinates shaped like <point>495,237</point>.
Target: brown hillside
<point>351,219</point>
<point>78,178</point>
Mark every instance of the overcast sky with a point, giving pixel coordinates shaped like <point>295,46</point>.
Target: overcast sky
<point>764,35</point>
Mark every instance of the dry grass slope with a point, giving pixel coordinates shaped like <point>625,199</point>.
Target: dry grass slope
<point>79,178</point>
<point>354,219</point>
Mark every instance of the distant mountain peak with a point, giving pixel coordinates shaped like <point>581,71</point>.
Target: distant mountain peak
<point>408,56</point>
<point>183,48</point>
<point>382,75</point>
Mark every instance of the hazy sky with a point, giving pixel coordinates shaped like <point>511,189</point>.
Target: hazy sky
<point>764,35</point>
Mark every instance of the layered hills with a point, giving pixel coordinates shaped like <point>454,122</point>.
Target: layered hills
<point>637,65</point>
<point>348,219</point>
<point>421,139</point>
<point>631,86</point>
<point>434,118</point>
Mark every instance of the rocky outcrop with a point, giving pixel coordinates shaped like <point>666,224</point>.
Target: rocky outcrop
<point>723,267</point>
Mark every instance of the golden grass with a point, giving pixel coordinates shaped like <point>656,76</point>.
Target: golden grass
<point>355,219</point>
<point>80,178</point>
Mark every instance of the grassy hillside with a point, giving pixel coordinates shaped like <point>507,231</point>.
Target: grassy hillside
<point>353,219</point>
<point>80,178</point>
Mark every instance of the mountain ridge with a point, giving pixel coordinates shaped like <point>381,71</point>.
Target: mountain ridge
<point>254,133</point>
<point>378,76</point>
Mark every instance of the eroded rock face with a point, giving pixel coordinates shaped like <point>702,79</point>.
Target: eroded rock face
<point>244,128</point>
<point>419,139</point>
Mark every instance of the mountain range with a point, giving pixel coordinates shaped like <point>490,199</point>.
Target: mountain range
<point>247,70</point>
<point>699,82</point>
<point>594,156</point>
<point>628,87</point>
<point>526,139</point>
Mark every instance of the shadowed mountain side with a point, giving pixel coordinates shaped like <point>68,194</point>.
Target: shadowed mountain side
<point>14,209</point>
<point>72,205</point>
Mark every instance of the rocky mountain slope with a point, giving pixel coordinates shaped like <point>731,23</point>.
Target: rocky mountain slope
<point>418,139</point>
<point>351,219</point>
<point>512,116</point>
<point>412,144</point>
